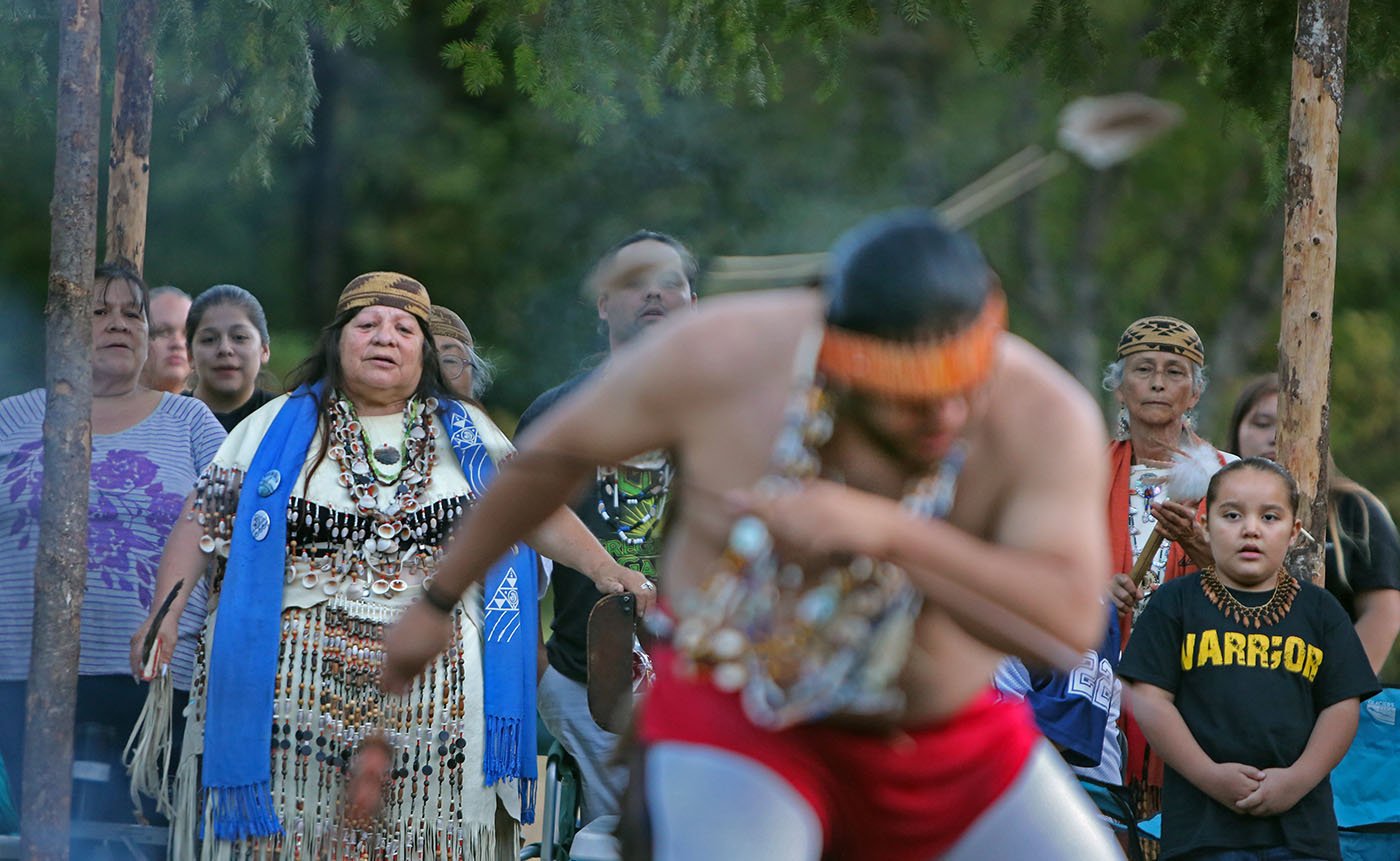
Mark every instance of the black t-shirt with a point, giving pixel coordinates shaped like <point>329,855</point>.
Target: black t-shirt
<point>1248,695</point>
<point>625,511</point>
<point>231,418</point>
<point>1370,564</point>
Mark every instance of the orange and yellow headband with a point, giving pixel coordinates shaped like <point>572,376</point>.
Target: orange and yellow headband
<point>932,368</point>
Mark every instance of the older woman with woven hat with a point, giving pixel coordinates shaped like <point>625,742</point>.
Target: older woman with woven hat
<point>1157,378</point>
<point>325,514</point>
<point>465,373</point>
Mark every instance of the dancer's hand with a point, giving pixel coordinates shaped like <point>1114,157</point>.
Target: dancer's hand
<point>369,773</point>
<point>1123,592</point>
<point>820,519</point>
<point>422,633</point>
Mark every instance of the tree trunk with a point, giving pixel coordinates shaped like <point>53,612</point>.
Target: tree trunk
<point>1310,263</point>
<point>129,172</point>
<point>61,567</point>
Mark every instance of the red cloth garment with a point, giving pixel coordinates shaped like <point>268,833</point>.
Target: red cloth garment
<point>919,789</point>
<point>1120,454</point>
<point>1141,763</point>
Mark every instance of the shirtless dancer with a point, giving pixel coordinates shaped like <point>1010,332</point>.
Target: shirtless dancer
<point>758,744</point>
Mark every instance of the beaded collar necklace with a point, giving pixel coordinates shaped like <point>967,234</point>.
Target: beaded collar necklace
<point>805,648</point>
<point>1268,613</point>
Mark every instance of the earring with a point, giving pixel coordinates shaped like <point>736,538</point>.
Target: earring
<point>1123,429</point>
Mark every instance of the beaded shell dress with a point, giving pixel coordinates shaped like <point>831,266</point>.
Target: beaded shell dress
<point>1145,487</point>
<point>356,559</point>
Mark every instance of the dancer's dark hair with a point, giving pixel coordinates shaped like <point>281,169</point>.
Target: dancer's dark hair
<point>905,276</point>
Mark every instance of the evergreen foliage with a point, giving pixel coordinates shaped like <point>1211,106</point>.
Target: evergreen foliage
<point>573,57</point>
<point>489,199</point>
<point>26,85</point>
<point>582,60</point>
<point>249,59</point>
<point>585,60</point>
<point>254,60</point>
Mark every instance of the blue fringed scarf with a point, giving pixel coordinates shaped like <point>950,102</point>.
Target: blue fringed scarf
<point>511,630</point>
<point>242,663</point>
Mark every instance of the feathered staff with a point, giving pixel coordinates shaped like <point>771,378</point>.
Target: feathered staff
<point>1100,130</point>
<point>1187,481</point>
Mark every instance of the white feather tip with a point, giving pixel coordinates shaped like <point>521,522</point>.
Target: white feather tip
<point>1192,468</point>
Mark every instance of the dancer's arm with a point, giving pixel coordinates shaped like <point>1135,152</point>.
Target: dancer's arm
<point>1037,571</point>
<point>627,410</point>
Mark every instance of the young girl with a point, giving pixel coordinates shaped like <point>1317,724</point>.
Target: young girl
<point>229,345</point>
<point>1248,684</point>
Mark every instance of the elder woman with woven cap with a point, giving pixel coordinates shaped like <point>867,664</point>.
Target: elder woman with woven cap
<point>326,513</point>
<point>1157,379</point>
<point>465,373</point>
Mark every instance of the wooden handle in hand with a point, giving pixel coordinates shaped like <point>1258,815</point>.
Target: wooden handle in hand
<point>1144,560</point>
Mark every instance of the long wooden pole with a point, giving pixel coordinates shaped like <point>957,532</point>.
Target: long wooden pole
<point>1310,263</point>
<point>129,169</point>
<point>61,567</point>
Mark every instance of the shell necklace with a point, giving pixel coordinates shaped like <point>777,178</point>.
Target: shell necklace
<point>1268,613</point>
<point>361,474</point>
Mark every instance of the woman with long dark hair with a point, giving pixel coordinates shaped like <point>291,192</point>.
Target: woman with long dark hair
<point>325,514</point>
<point>1362,561</point>
<point>229,346</point>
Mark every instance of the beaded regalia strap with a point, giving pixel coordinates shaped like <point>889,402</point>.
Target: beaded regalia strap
<point>799,647</point>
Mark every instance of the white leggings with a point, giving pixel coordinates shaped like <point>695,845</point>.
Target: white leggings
<point>705,803</point>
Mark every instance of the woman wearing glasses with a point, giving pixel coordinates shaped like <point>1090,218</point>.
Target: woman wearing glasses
<point>466,374</point>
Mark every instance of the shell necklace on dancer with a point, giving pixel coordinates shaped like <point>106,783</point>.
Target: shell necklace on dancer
<point>802,648</point>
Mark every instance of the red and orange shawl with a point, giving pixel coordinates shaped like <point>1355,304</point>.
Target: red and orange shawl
<point>1142,764</point>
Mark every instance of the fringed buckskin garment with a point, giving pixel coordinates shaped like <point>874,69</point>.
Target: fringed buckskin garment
<point>350,562</point>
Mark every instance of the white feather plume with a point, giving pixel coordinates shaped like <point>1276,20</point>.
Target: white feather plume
<point>1191,471</point>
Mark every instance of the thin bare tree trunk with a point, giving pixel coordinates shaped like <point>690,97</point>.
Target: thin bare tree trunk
<point>1310,262</point>
<point>61,567</point>
<point>129,172</point>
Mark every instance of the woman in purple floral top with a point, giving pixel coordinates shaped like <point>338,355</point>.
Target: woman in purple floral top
<point>147,450</point>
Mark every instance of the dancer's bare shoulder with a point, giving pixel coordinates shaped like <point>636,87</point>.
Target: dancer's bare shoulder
<point>1047,452</point>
